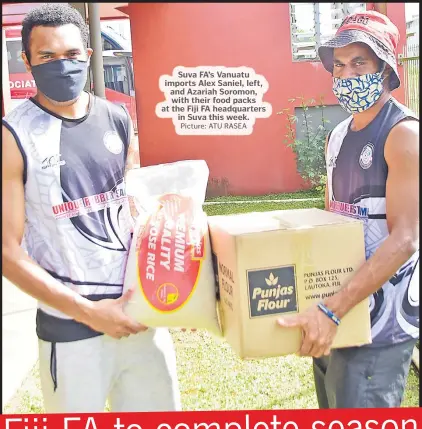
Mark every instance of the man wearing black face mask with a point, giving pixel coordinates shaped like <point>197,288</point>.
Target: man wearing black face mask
<point>65,154</point>
<point>373,175</point>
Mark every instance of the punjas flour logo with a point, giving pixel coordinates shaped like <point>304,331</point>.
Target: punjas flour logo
<point>272,291</point>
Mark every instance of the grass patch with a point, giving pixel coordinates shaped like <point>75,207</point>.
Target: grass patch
<point>212,377</point>
<point>226,209</point>
<point>311,193</point>
<point>411,393</point>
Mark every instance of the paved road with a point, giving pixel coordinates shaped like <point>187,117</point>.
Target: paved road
<point>20,348</point>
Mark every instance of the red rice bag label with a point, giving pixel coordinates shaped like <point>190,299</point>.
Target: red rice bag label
<point>170,253</point>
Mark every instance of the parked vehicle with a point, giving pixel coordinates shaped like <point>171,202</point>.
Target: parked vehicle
<point>118,71</point>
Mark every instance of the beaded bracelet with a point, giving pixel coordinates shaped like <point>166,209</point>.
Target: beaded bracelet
<point>329,313</point>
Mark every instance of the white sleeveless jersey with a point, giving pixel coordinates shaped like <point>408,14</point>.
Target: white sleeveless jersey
<point>78,224</point>
<point>356,181</point>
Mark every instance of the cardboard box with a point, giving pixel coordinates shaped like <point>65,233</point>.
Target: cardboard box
<point>279,263</point>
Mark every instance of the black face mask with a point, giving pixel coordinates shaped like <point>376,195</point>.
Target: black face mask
<point>61,80</point>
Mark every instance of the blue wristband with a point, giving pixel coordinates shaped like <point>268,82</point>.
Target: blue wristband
<point>329,313</point>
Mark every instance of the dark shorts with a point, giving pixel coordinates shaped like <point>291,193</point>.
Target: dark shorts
<point>363,377</point>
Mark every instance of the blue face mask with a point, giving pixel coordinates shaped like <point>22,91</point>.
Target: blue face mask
<point>61,80</point>
<point>358,94</point>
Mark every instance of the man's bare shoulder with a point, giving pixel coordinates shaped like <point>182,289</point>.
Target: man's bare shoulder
<point>403,141</point>
<point>12,159</point>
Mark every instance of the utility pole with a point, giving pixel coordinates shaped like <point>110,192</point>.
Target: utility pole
<point>91,14</point>
<point>97,65</point>
<point>82,8</point>
<point>381,8</point>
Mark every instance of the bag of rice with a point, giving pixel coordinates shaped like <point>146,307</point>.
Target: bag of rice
<point>170,262</point>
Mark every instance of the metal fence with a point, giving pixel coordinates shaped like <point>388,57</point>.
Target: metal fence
<point>410,61</point>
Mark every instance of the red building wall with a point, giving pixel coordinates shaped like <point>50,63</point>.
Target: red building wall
<point>255,35</point>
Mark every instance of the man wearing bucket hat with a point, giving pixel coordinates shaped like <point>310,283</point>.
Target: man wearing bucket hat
<point>372,169</point>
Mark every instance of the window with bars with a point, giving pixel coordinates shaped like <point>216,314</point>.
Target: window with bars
<point>311,24</point>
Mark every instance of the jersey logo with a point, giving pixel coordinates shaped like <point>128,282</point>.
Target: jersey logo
<point>347,209</point>
<point>113,142</point>
<point>332,162</point>
<point>365,159</point>
<point>53,161</point>
<point>101,219</point>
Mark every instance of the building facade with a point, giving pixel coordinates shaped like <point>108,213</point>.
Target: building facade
<point>277,40</point>
<point>255,35</point>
